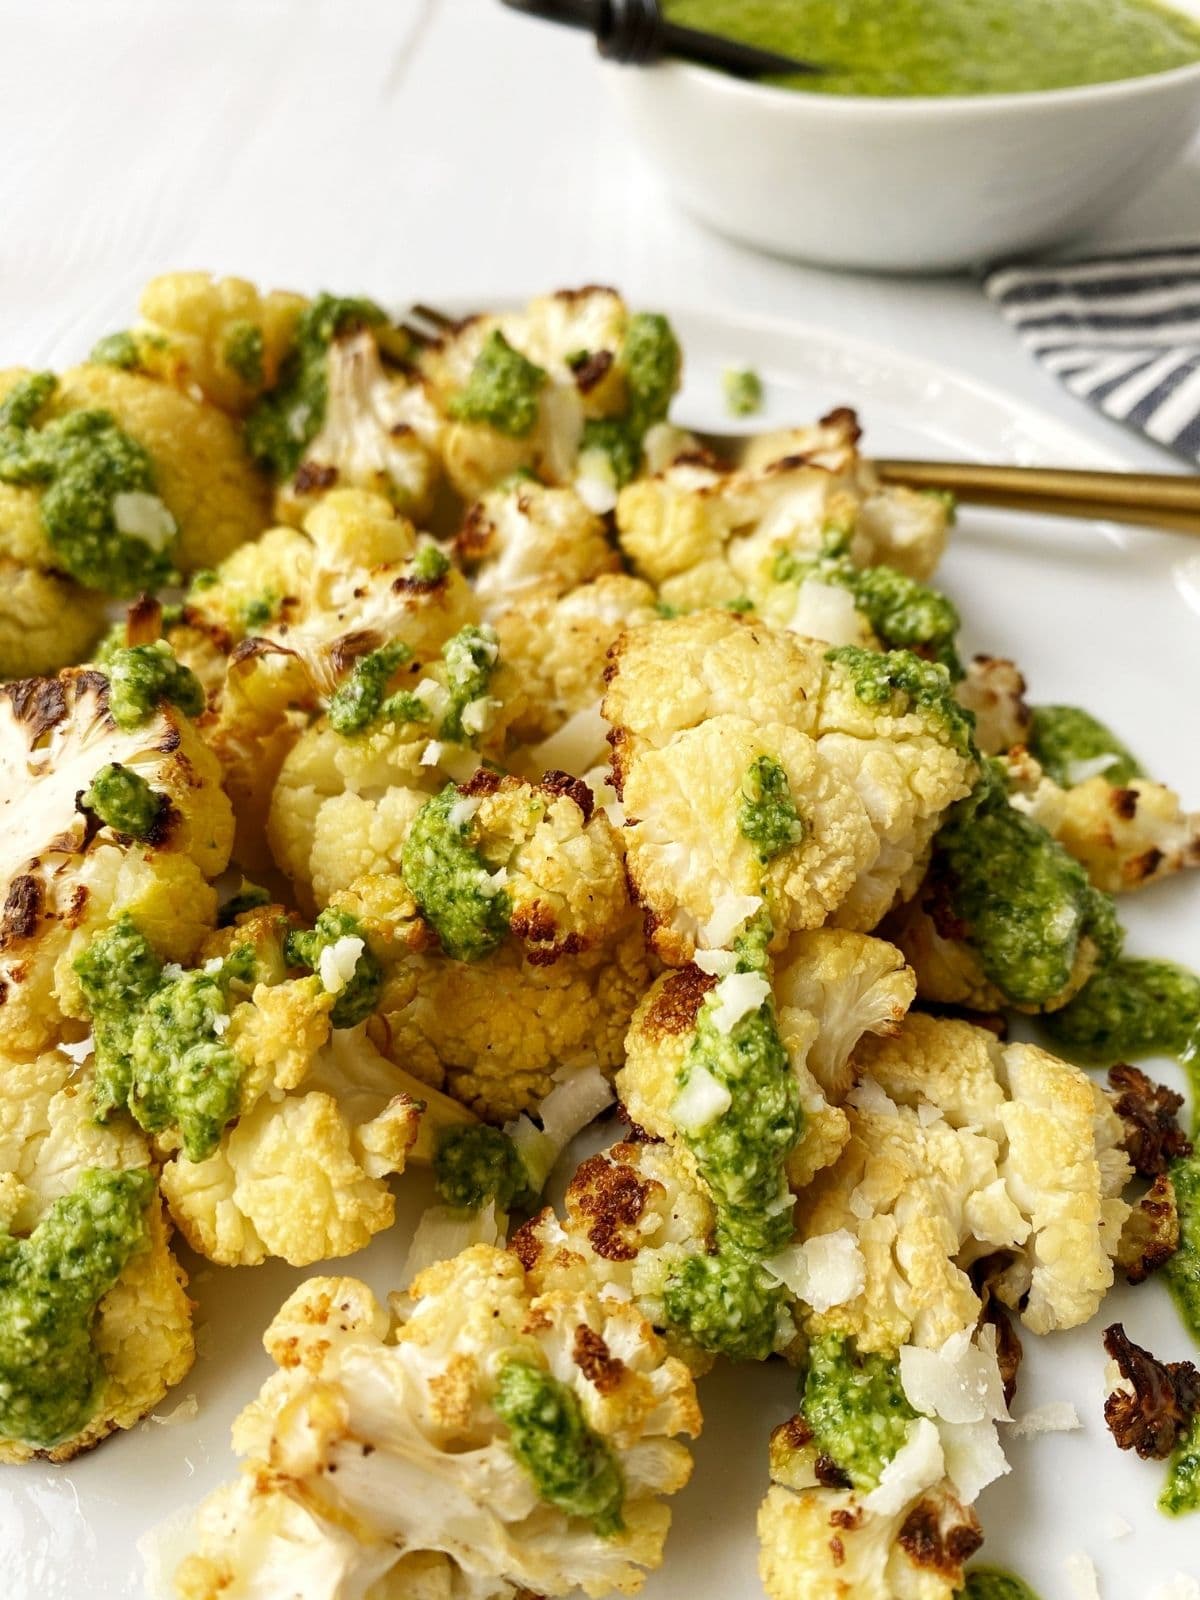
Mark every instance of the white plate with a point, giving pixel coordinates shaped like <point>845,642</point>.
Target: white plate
<point>1105,617</point>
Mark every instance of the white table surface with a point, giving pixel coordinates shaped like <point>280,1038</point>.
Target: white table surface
<point>406,148</point>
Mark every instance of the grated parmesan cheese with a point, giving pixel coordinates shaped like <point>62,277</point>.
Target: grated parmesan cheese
<point>338,961</point>
<point>144,516</point>
<point>735,997</point>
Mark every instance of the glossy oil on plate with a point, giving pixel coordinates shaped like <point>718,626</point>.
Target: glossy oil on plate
<point>1096,615</point>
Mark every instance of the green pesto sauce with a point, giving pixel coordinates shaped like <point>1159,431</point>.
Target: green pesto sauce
<point>470,658</point>
<point>82,462</point>
<point>726,1303</point>
<point>359,997</point>
<point>1133,1008</point>
<point>356,703</point>
<point>125,802</point>
<point>650,361</point>
<point>856,1408</point>
<point>450,882</point>
<point>945,47</point>
<point>287,418</point>
<point>989,1583</point>
<point>258,612</point>
<point>502,390</point>
<point>474,1164</point>
<point>116,350</point>
<point>1027,904</point>
<point>743,391</point>
<point>143,675</point>
<point>158,1035</point>
<point>896,682</point>
<point>572,1466</point>
<point>243,352</point>
<point>1062,736</point>
<point>768,816</point>
<point>429,565</point>
<point>903,614</point>
<point>1182,1270</point>
<point>51,1375</point>
<point>742,1153</point>
<point>1181,1492</point>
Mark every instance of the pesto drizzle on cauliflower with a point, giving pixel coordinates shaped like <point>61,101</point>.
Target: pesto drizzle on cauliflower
<point>51,1283</point>
<point>450,882</point>
<point>904,613</point>
<point>287,419</point>
<point>856,1408</point>
<point>724,1300</point>
<point>502,390</point>
<point>572,1466</point>
<point>159,1031</point>
<point>357,702</point>
<point>650,361</point>
<point>141,676</point>
<point>1066,738</point>
<point>768,816</point>
<point>899,681</point>
<point>1135,1007</point>
<point>474,1163</point>
<point>1025,902</point>
<point>125,802</point>
<point>98,506</point>
<point>358,993</point>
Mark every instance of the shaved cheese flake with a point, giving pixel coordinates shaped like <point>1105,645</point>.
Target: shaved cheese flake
<point>1080,1572</point>
<point>79,1051</point>
<point>1116,1527</point>
<point>728,916</point>
<point>220,1023</point>
<point>577,746</point>
<point>1057,1416</point>
<point>574,1102</point>
<point>717,963</point>
<point>1081,771</point>
<point>338,961</point>
<point>476,714</point>
<point>824,1271</point>
<point>974,1456</point>
<point>432,753</point>
<point>596,484</point>
<point>491,883</point>
<point>434,696</point>
<point>959,1383</point>
<point>869,1097</point>
<point>735,997</point>
<point>826,611</point>
<point>187,1408</point>
<point>701,1101</point>
<point>145,517</point>
<point>916,1466</point>
<point>463,809</point>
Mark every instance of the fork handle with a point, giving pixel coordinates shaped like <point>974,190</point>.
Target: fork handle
<point>1157,500</point>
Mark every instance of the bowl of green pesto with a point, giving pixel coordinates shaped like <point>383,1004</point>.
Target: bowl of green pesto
<point>940,134</point>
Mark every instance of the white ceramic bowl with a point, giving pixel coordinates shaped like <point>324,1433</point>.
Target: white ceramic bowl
<point>905,185</point>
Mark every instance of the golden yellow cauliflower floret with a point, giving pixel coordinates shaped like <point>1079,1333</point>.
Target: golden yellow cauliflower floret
<point>64,873</point>
<point>707,534</point>
<point>993,691</point>
<point>391,1451</point>
<point>46,621</point>
<point>757,768</point>
<point>201,468</point>
<point>558,648</point>
<point>140,1331</point>
<point>1125,835</point>
<point>828,989</point>
<point>824,1544</point>
<point>962,1148</point>
<point>524,539</point>
<point>221,336</point>
<point>494,1033</point>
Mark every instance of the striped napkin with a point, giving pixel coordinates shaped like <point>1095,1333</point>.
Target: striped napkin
<point>1120,330</point>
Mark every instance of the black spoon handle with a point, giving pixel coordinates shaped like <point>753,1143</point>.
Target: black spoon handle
<point>636,33</point>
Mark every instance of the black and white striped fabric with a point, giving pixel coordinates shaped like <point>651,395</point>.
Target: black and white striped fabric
<point>1120,330</point>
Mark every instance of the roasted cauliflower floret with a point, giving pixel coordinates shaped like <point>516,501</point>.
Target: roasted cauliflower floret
<point>993,691</point>
<point>46,621</point>
<point>109,800</point>
<point>220,336</point>
<point>278,1134</point>
<point>1005,916</point>
<point>1124,835</point>
<point>97,1326</point>
<point>495,1033</point>
<point>524,539</point>
<point>545,1421</point>
<point>962,1148</point>
<point>757,768</point>
<point>707,534</point>
<point>558,649</point>
<point>568,388</point>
